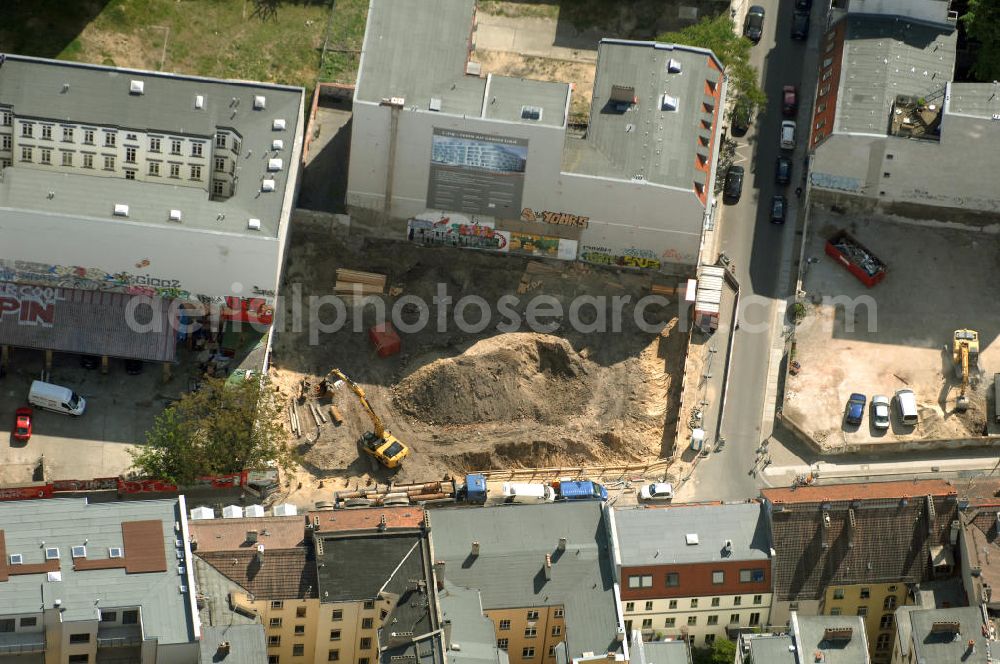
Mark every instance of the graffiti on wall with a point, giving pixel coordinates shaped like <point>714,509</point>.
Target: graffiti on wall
<point>542,245</point>
<point>632,257</point>
<point>557,218</point>
<point>91,279</point>
<point>454,230</point>
<point>32,305</point>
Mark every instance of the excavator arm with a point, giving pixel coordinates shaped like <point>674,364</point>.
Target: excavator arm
<point>376,420</point>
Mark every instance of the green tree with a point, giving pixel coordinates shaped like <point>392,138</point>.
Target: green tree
<point>732,50</point>
<point>982,23</point>
<point>723,651</point>
<point>223,427</point>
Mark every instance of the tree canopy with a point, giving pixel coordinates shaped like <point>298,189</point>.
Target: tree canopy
<point>732,50</point>
<point>221,428</point>
<point>723,651</point>
<point>982,23</point>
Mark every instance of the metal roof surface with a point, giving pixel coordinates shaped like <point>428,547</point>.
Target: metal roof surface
<point>773,649</point>
<point>67,522</point>
<point>473,631</point>
<point>810,638</point>
<point>92,94</point>
<point>666,652</point>
<point>944,647</point>
<point>886,56</point>
<point>657,536</point>
<point>357,567</point>
<point>246,644</point>
<point>979,100</point>
<point>508,572</point>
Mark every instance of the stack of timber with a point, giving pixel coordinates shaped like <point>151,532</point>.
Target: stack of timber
<point>353,284</point>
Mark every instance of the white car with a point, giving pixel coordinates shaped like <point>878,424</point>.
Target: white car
<point>880,412</point>
<point>657,491</point>
<point>787,135</point>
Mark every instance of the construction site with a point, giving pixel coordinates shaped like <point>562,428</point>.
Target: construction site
<point>569,395</point>
<point>874,317</point>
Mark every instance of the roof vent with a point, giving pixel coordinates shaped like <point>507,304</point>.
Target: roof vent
<point>946,627</point>
<point>232,512</point>
<point>136,87</point>
<point>274,165</point>
<point>175,215</point>
<point>727,547</point>
<point>16,559</point>
<point>531,113</point>
<point>254,510</point>
<point>115,552</point>
<point>121,210</point>
<point>668,102</point>
<point>55,576</point>
<point>251,536</point>
<point>837,634</point>
<point>285,509</point>
<point>435,104</point>
<point>278,124</point>
<point>253,224</point>
<point>199,101</point>
<point>623,94</point>
<point>259,102</point>
<point>79,551</point>
<point>277,144</point>
<point>267,185</point>
<point>674,66</point>
<point>691,538</point>
<point>202,513</point>
<point>52,553</point>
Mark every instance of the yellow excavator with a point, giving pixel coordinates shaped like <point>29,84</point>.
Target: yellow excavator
<point>378,444</point>
<point>965,357</point>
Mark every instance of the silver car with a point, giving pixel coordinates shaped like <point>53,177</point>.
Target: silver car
<point>880,412</point>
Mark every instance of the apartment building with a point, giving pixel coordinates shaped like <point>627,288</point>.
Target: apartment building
<point>980,545</point>
<point>809,640</point>
<point>544,573</point>
<point>83,582</point>
<point>943,636</point>
<point>857,550</point>
<point>694,572</point>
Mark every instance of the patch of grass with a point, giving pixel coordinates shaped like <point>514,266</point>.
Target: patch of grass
<point>518,9</point>
<point>347,32</point>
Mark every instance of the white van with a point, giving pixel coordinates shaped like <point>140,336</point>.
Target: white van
<point>56,398</point>
<point>521,492</point>
<point>906,403</point>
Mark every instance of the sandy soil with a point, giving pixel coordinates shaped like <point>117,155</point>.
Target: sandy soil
<point>580,74</point>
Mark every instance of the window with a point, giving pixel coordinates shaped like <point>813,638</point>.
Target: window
<point>673,604</point>
<point>504,624</point>
<point>734,619</point>
<point>4,163</point>
<point>78,659</point>
<point>277,604</point>
<point>754,619</point>
<point>363,660</point>
<point>67,158</point>
<point>109,163</point>
<point>713,620</point>
<point>300,612</point>
<point>298,650</point>
<point>709,639</point>
<point>196,149</point>
<point>532,615</point>
<point>154,168</point>
<point>738,600</point>
<point>333,655</point>
<point>47,132</point>
<point>275,622</point>
<point>236,145</point>
<point>366,623</point>
<point>530,631</point>
<point>175,146</point>
<point>890,603</point>
<point>369,604</point>
<point>7,625</point>
<point>502,643</point>
<point>79,638</point>
<point>744,576</point>
<point>755,575</point>
<point>130,617</point>
<point>110,139</point>
<point>886,622</point>
<point>272,659</point>
<point>300,630</point>
<point>6,142</point>
<point>527,653</point>
<point>647,623</point>
<point>337,615</point>
<point>273,641</point>
<point>643,581</point>
<point>630,606</point>
<point>67,133</point>
<point>129,155</point>
<point>835,611</point>
<point>220,140</point>
<point>5,118</point>
<point>838,593</point>
<point>558,613</point>
<point>129,175</point>
<point>88,136</point>
<point>154,144</point>
<point>335,635</point>
<point>25,154</point>
<point>692,621</point>
<point>694,603</point>
<point>793,606</point>
<point>670,622</point>
<point>27,130</point>
<point>862,610</point>
<point>649,606</point>
<point>673,579</point>
<point>196,172</point>
<point>366,643</point>
<point>220,165</point>
<point>46,156</point>
<point>29,622</point>
<point>718,577</point>
<point>628,626</point>
<point>882,642</point>
<point>892,589</point>
<point>175,170</point>
<point>757,599</point>
<point>552,651</point>
<point>557,630</point>
<point>715,601</point>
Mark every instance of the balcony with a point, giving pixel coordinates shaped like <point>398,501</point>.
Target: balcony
<point>915,117</point>
<point>129,636</point>
<point>21,643</point>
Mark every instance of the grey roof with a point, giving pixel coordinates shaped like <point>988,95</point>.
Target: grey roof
<point>509,570</point>
<point>342,579</point>
<point>645,141</point>
<point>886,56</point>
<point>809,632</point>
<point>980,100</point>
<point>410,629</point>
<point>772,648</point>
<point>67,522</point>
<point>215,587</point>
<point>99,95</point>
<point>418,50</point>
<point>662,652</point>
<point>945,647</point>
<point>246,644</point>
<point>466,626</point>
<point>648,536</point>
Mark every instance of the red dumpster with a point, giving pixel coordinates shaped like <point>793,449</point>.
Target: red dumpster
<point>385,339</point>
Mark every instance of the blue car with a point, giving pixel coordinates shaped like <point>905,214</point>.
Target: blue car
<point>855,409</point>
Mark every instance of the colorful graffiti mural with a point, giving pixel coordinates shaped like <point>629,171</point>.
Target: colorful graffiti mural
<point>558,218</point>
<point>637,258</point>
<point>90,278</point>
<point>454,231</point>
<point>32,305</point>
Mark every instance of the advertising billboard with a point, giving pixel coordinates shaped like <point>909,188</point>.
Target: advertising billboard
<point>476,173</point>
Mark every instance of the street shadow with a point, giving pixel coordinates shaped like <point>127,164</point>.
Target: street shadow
<point>324,177</point>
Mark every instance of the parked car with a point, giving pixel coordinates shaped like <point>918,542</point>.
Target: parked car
<point>90,361</point>
<point>787,136</point>
<point>753,26</point>
<point>779,208</point>
<point>657,491</point>
<point>906,401</point>
<point>783,170</point>
<point>733,188</point>
<point>855,409</point>
<point>133,367</point>
<point>790,101</point>
<point>880,412</point>
<point>741,117</point>
<point>22,424</point>
<point>800,25</point>
<point>803,5</point>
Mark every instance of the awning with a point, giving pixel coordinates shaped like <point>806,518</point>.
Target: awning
<point>67,320</point>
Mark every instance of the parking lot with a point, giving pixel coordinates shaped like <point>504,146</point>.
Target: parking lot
<point>897,334</point>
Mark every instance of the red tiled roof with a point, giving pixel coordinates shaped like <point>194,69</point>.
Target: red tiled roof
<point>859,491</point>
<point>980,491</point>
<point>367,519</point>
<point>274,532</point>
<point>280,574</point>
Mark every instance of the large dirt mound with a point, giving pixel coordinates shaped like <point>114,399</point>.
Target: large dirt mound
<point>507,377</point>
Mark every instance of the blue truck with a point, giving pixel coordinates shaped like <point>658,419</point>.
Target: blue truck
<point>580,490</point>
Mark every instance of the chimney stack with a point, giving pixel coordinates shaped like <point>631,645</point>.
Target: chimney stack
<point>562,543</point>
<point>381,523</point>
<point>475,548</point>
<point>223,649</point>
<point>548,567</point>
<point>439,574</point>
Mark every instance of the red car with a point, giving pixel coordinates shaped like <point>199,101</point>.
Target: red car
<point>22,424</point>
<point>790,105</point>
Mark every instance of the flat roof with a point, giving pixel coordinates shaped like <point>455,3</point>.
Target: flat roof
<point>473,631</point>
<point>60,91</point>
<point>978,100</point>
<point>668,652</point>
<point>245,644</point>
<point>63,523</point>
<point>366,519</point>
<point>659,536</point>
<point>356,568</point>
<point>772,648</point>
<point>933,641</point>
<point>886,56</point>
<point>859,491</point>
<point>640,140</point>
<point>509,570</point>
<point>418,51</point>
<point>841,639</point>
